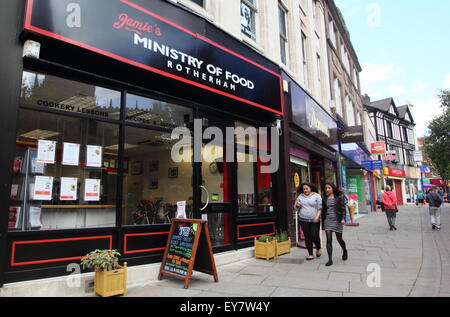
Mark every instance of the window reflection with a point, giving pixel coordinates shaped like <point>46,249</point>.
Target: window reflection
<point>60,94</point>
<point>153,182</point>
<point>156,113</point>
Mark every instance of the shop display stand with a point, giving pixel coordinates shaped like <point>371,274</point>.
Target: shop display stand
<point>21,200</point>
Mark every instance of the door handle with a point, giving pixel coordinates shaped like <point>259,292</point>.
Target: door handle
<point>207,198</point>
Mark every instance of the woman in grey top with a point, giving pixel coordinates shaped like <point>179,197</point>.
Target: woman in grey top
<point>309,207</point>
<point>333,217</point>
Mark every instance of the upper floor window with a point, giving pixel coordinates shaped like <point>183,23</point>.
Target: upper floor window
<point>305,58</point>
<point>405,134</point>
<point>248,18</point>
<point>333,34</point>
<point>390,131</point>
<point>199,2</point>
<point>283,33</point>
<point>338,95</point>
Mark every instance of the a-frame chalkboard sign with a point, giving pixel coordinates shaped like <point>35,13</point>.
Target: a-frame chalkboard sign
<point>188,248</point>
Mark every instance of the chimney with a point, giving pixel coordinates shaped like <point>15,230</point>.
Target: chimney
<point>366,99</point>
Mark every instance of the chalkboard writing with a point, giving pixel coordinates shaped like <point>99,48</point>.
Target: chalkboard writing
<point>188,241</point>
<point>180,248</point>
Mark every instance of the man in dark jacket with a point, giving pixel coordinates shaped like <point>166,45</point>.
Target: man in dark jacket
<point>435,201</point>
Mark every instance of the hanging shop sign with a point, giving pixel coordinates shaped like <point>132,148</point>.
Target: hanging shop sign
<point>390,156</point>
<point>124,31</point>
<point>351,135</point>
<point>425,169</point>
<point>378,148</point>
<point>418,156</point>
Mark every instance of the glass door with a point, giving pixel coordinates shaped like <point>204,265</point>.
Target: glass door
<point>215,204</point>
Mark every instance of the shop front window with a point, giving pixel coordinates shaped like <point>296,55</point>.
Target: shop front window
<point>156,113</point>
<point>153,183</point>
<point>55,93</point>
<point>65,173</point>
<point>246,183</point>
<point>254,186</point>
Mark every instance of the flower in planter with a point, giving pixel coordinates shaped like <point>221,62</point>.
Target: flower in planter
<point>102,260</point>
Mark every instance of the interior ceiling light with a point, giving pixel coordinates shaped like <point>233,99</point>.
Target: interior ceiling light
<point>39,134</point>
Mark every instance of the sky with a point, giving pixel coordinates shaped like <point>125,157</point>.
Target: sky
<point>403,47</point>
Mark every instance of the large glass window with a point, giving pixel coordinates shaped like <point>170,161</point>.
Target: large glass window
<point>156,113</point>
<point>254,187</point>
<point>153,183</point>
<point>65,173</point>
<point>50,92</point>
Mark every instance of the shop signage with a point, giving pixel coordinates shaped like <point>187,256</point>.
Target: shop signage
<point>418,156</point>
<point>394,172</point>
<point>188,248</point>
<point>311,117</point>
<point>372,165</point>
<point>425,169</point>
<point>124,31</point>
<point>390,156</point>
<point>351,135</point>
<point>378,148</point>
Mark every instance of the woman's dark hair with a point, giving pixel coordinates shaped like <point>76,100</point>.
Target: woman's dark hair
<point>336,190</point>
<point>312,186</point>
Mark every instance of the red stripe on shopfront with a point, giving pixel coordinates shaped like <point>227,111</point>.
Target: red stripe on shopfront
<point>254,225</point>
<point>15,243</point>
<point>29,27</point>
<point>125,251</point>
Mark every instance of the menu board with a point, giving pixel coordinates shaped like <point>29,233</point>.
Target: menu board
<point>188,248</point>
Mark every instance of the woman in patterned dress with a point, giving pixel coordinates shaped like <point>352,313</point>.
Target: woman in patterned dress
<point>333,219</point>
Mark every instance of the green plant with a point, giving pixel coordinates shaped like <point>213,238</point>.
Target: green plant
<point>101,260</point>
<point>283,236</point>
<point>266,239</point>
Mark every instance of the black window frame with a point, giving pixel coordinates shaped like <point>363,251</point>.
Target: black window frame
<point>122,123</point>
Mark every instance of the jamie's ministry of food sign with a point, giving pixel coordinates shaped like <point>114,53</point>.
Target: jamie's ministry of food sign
<point>124,31</point>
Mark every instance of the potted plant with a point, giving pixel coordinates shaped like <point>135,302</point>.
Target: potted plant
<point>283,243</point>
<point>265,247</point>
<point>110,277</point>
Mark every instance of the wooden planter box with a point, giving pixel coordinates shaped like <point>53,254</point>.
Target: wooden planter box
<point>283,247</point>
<point>265,250</point>
<point>111,283</point>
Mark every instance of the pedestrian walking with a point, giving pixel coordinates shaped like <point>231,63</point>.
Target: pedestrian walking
<point>390,207</point>
<point>441,193</point>
<point>420,198</point>
<point>435,201</point>
<point>309,207</point>
<point>333,218</point>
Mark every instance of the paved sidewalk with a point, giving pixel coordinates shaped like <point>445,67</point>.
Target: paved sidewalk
<point>413,261</point>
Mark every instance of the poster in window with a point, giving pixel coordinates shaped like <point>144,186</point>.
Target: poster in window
<point>181,210</point>
<point>94,156</point>
<point>14,216</point>
<point>35,217</point>
<point>71,154</point>
<point>68,188</point>
<point>92,190</point>
<point>43,188</point>
<point>46,152</point>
